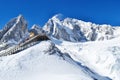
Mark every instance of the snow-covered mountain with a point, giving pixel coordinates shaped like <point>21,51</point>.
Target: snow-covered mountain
<point>77,50</point>
<point>13,32</point>
<point>76,30</point>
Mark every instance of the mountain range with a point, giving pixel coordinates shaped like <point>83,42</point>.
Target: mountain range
<point>83,50</point>
<point>67,29</point>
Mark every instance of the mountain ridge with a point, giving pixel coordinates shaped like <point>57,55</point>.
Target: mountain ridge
<point>59,27</point>
<point>75,29</point>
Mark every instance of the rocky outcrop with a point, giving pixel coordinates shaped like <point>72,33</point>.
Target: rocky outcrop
<point>38,29</point>
<point>14,30</point>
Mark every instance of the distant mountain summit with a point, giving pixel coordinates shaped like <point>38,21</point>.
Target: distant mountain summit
<point>59,17</point>
<point>14,30</point>
<point>38,29</point>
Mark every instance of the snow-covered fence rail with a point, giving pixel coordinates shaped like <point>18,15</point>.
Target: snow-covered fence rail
<point>17,48</point>
<point>34,40</point>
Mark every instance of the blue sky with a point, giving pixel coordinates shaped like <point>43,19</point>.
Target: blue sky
<point>39,11</point>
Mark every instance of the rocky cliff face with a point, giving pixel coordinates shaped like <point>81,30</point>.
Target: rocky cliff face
<point>14,30</point>
<point>76,30</point>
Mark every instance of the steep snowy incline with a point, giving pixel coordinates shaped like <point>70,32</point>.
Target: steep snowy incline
<point>36,63</point>
<point>102,57</point>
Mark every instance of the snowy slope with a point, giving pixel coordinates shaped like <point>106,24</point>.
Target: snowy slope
<point>102,57</point>
<point>35,63</point>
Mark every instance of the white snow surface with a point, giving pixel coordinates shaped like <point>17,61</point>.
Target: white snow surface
<point>35,64</point>
<point>102,57</point>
